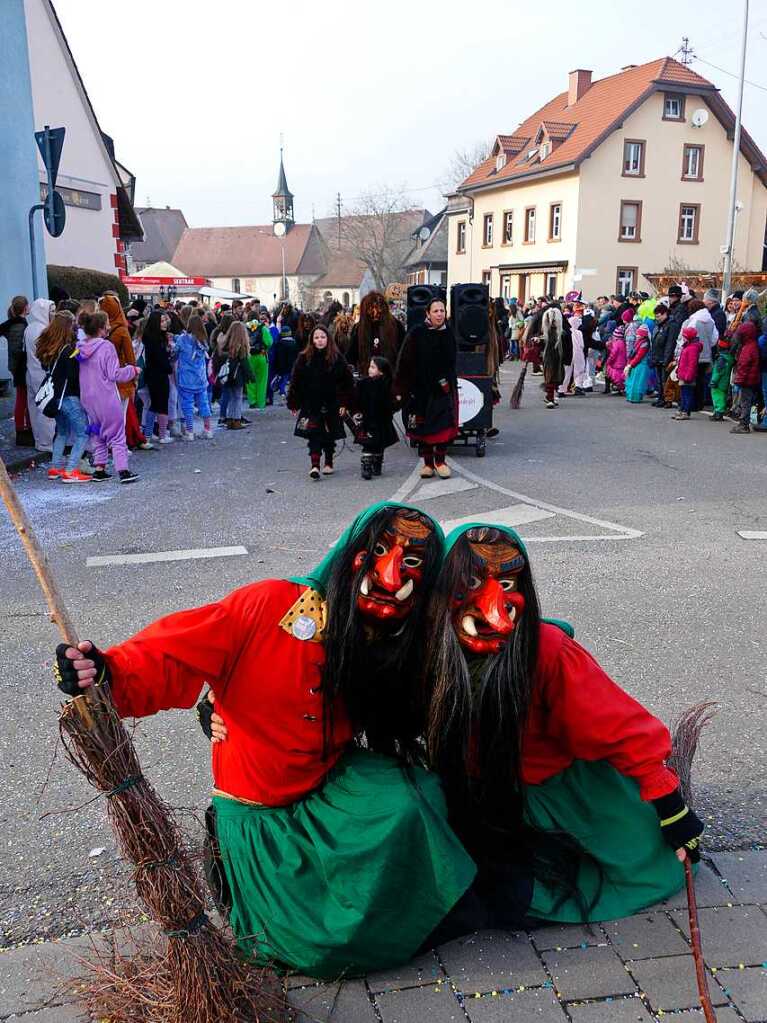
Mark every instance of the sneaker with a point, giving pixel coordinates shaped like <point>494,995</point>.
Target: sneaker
<point>100,475</point>
<point>314,473</point>
<point>328,470</point>
<point>244,421</point>
<point>718,417</point>
<point>681,416</point>
<point>126,476</point>
<point>75,476</point>
<point>222,422</point>
<point>442,470</point>
<point>175,431</point>
<point>427,472</point>
<point>187,435</point>
<point>740,428</point>
<point>55,474</point>
<point>552,404</point>
<point>208,433</point>
<point>86,467</point>
<point>146,446</point>
<point>167,439</point>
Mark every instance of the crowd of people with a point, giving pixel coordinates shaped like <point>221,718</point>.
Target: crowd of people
<point>96,383</point>
<point>681,350</point>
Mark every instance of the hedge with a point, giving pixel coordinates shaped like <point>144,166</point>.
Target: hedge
<point>79,282</point>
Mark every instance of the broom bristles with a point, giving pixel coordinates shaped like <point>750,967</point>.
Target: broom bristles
<point>684,743</point>
<point>516,395</point>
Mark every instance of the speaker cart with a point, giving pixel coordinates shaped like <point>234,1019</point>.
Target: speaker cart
<point>475,401</point>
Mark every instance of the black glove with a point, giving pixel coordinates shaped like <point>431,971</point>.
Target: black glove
<point>205,714</point>
<point>65,673</point>
<point>680,827</point>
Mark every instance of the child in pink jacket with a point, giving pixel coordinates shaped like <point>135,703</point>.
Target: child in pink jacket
<point>616,361</point>
<point>687,371</point>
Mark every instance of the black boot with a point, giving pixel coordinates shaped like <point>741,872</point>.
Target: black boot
<point>377,464</point>
<point>366,467</point>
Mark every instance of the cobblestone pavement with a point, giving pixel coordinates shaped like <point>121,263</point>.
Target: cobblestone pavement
<point>625,971</point>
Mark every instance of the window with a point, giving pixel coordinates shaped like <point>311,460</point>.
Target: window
<point>236,284</point>
<point>506,286</point>
<point>673,107</point>
<point>689,217</point>
<point>487,230</point>
<point>624,280</point>
<point>633,158</point>
<point>500,161</point>
<point>545,150</point>
<point>692,163</point>
<point>461,237</point>
<point>486,278</point>
<point>551,285</point>
<point>529,225</point>
<point>555,222</point>
<point>508,227</point>
<point>630,228</point>
<point>443,278</point>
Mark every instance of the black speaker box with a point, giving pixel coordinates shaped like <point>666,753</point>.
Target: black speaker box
<point>418,298</point>
<point>469,313</point>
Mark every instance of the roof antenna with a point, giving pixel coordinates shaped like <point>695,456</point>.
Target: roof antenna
<point>685,51</point>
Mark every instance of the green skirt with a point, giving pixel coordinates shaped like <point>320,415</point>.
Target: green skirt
<point>350,879</point>
<point>602,809</point>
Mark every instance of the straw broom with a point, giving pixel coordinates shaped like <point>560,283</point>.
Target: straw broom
<point>197,974</point>
<point>684,746</point>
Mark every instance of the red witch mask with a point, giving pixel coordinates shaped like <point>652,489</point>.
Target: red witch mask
<point>387,590</point>
<point>487,613</point>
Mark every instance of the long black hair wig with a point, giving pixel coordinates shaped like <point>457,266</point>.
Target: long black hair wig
<point>478,712</point>
<point>376,672</point>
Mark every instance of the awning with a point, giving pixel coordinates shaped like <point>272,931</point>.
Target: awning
<point>207,292</point>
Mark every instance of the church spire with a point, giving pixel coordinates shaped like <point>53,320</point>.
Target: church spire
<point>282,198</point>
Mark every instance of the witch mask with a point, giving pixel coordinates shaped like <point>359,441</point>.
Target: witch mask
<point>489,605</point>
<point>388,588</point>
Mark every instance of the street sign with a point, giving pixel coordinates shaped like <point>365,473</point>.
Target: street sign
<point>51,153</point>
<point>55,222</point>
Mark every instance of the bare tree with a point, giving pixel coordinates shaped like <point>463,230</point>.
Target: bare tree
<point>463,162</point>
<point>377,231</point>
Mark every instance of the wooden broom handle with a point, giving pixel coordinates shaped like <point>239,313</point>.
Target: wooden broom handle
<point>56,607</point>
<point>697,948</point>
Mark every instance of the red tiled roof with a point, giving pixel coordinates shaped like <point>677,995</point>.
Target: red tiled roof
<point>599,109</point>
<point>244,251</point>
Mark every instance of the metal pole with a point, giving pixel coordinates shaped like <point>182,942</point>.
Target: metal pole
<point>33,247</point>
<point>728,253</point>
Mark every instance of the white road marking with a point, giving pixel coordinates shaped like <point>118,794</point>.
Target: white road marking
<point>441,488</point>
<point>753,534</point>
<point>146,559</point>
<point>514,515</point>
<point>408,486</point>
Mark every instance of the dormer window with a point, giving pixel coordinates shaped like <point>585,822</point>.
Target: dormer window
<point>531,153</point>
<point>500,161</point>
<point>545,150</point>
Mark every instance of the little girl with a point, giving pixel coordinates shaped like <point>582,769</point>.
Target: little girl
<point>239,374</point>
<point>638,369</point>
<point>192,376</point>
<point>616,362</point>
<point>100,373</point>
<point>57,353</point>
<point>321,386</point>
<point>687,371</point>
<point>374,408</point>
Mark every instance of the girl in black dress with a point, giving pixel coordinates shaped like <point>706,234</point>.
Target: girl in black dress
<point>321,388</point>
<point>427,383</point>
<point>157,369</point>
<point>374,408</point>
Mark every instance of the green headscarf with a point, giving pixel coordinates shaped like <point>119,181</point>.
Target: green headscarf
<point>455,534</point>
<point>318,578</point>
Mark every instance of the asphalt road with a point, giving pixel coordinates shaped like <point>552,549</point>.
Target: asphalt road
<point>633,518</point>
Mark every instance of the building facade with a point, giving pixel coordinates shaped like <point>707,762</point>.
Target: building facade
<point>609,181</point>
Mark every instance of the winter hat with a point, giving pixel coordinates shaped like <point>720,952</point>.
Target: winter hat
<point>642,332</point>
<point>627,315</point>
<point>712,295</point>
<point>737,294</point>
<point>675,290</point>
<point>751,296</point>
<point>689,333</point>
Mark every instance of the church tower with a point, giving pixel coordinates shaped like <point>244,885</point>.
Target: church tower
<point>282,200</point>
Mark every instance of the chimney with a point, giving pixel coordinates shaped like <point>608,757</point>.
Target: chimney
<point>579,83</point>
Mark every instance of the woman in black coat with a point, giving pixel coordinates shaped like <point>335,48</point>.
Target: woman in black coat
<point>374,408</point>
<point>321,387</point>
<point>427,382</point>
<point>157,367</point>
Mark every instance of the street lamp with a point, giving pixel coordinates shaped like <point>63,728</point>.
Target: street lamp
<point>733,211</point>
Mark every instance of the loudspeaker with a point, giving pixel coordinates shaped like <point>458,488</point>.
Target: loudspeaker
<point>469,313</point>
<point>418,298</point>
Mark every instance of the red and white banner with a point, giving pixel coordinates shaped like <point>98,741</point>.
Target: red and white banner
<point>165,282</point>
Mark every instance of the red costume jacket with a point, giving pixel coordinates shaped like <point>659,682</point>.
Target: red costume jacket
<point>266,684</point>
<point>579,713</point>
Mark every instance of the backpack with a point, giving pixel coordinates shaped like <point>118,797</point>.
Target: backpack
<point>223,374</point>
<point>46,398</point>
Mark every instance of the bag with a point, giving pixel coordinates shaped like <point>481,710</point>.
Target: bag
<point>45,397</point>
<point>223,374</point>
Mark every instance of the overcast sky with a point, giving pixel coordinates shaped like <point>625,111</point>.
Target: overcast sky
<point>196,92</point>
